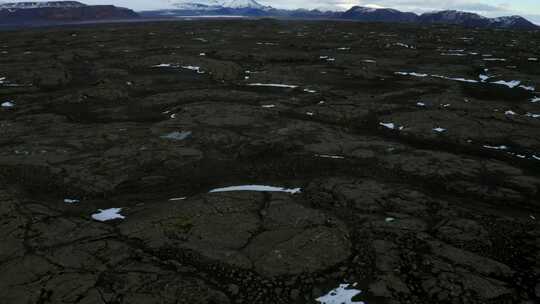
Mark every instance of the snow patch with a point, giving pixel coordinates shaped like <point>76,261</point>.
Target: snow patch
<point>511,84</point>
<point>108,214</point>
<point>502,147</point>
<point>8,104</point>
<point>177,198</point>
<point>257,188</point>
<point>330,156</point>
<point>177,135</point>
<point>193,68</point>
<point>276,85</point>
<point>494,59</point>
<point>341,295</point>
<point>439,130</point>
<point>389,125</point>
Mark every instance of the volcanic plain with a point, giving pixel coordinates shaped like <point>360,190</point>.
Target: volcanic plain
<point>399,161</point>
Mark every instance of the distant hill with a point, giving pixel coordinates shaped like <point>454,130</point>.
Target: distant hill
<point>60,12</point>
<point>74,11</point>
<point>369,14</point>
<point>475,20</point>
<point>251,8</point>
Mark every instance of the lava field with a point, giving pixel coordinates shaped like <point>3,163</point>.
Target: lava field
<point>264,161</point>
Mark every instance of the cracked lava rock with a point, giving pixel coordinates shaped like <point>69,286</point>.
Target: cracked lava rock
<point>411,173</point>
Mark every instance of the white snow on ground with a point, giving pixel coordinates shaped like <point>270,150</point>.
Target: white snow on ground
<point>483,78</point>
<point>536,157</point>
<point>71,201</point>
<point>177,135</point>
<point>193,68</point>
<point>389,125</point>
<point>533,115</point>
<point>532,59</point>
<point>108,214</point>
<point>509,112</point>
<point>496,147</point>
<point>420,104</point>
<point>511,84</point>
<point>177,198</point>
<point>341,295</point>
<point>330,156</point>
<point>164,65</point>
<point>276,85</point>
<point>309,91</point>
<point>176,66</point>
<point>528,88</point>
<point>439,130</point>
<point>404,45</point>
<point>257,188</point>
<point>535,99</point>
<point>268,106</point>
<point>8,104</point>
<point>2,80</point>
<point>494,59</point>
<point>462,79</point>
<point>411,74</point>
<point>453,54</point>
<point>369,61</point>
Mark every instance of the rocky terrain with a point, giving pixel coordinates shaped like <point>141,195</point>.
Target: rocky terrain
<point>388,163</point>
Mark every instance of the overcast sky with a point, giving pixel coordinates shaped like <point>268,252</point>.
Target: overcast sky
<point>490,8</point>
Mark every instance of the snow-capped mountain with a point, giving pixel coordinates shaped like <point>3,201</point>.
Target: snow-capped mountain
<point>216,4</point>
<point>512,22</point>
<point>32,5</point>
<point>59,12</point>
<point>452,17</point>
<point>474,20</point>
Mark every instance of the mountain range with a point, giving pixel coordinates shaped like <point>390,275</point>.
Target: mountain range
<point>54,12</point>
<point>73,11</point>
<point>251,8</point>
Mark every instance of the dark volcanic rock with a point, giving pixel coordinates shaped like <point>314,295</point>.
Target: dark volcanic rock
<point>408,160</point>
